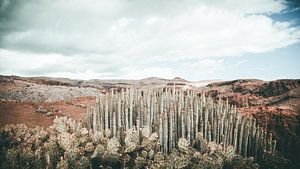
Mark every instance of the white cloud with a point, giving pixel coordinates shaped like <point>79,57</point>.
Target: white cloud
<point>110,38</point>
<point>250,6</point>
<point>57,65</point>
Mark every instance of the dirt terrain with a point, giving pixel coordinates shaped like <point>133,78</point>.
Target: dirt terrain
<point>275,104</point>
<point>15,112</point>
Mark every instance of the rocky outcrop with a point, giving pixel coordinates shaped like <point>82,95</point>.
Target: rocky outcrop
<point>277,87</point>
<point>25,91</point>
<point>254,92</point>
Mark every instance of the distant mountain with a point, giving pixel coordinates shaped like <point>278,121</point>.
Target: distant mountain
<point>180,79</point>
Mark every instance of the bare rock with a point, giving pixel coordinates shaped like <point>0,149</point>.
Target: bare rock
<point>41,109</point>
<point>49,113</point>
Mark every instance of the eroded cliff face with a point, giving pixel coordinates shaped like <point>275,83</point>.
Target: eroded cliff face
<point>278,87</point>
<point>245,93</point>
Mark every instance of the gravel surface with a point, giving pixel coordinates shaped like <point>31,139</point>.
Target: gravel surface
<point>46,93</point>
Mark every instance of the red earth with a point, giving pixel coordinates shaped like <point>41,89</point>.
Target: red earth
<point>15,112</point>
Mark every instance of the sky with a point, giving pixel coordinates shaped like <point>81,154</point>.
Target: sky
<point>135,39</point>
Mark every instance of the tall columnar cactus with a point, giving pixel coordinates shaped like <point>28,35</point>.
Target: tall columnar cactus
<point>236,129</point>
<point>106,113</point>
<point>165,131</point>
<point>197,116</point>
<point>126,113</point>
<point>130,107</point>
<point>114,125</point>
<point>171,126</point>
<point>119,117</point>
<point>182,126</point>
<point>206,123</point>
<point>241,136</point>
<point>161,130</point>
<point>189,126</point>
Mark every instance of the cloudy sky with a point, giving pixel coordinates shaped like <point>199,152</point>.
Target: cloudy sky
<point>132,39</point>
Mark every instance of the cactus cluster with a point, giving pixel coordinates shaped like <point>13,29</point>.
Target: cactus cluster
<point>77,147</point>
<point>176,114</point>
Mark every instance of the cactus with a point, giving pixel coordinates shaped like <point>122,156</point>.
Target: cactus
<point>183,145</point>
<point>182,162</point>
<point>145,131</point>
<point>98,152</point>
<point>64,140</point>
<point>83,163</point>
<point>63,164</point>
<point>131,136</point>
<point>165,131</point>
<point>200,144</point>
<point>130,147</point>
<point>114,125</point>
<point>106,113</point>
<point>107,133</point>
<point>113,146</point>
<point>140,162</point>
<point>89,147</point>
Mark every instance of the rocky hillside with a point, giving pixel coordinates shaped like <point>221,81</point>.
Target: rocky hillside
<point>105,84</point>
<point>245,93</point>
<point>275,105</point>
